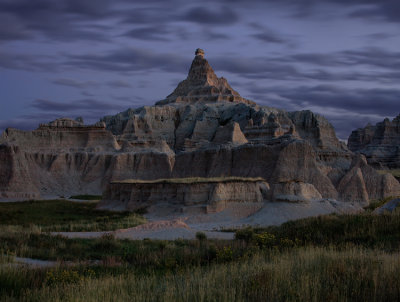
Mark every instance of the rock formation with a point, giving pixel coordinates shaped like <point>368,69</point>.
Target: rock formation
<point>205,195</point>
<point>202,85</point>
<point>380,143</point>
<point>203,129</point>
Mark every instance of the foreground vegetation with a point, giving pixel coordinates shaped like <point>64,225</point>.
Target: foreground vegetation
<point>307,274</point>
<point>64,215</point>
<point>327,258</point>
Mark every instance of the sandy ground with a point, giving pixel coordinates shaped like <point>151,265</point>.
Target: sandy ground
<point>168,223</point>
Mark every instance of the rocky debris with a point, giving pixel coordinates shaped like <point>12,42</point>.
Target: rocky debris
<point>202,85</point>
<point>197,132</point>
<point>380,143</point>
<point>204,194</point>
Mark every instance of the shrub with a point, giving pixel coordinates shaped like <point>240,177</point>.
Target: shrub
<point>225,254</point>
<point>201,236</point>
<point>264,240</point>
<point>245,234</point>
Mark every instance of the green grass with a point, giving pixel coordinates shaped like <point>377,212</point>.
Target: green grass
<point>367,230</point>
<point>326,258</point>
<point>309,274</point>
<point>191,180</point>
<point>144,254</point>
<point>63,215</point>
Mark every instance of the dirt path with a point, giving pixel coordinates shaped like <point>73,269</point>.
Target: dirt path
<point>167,223</point>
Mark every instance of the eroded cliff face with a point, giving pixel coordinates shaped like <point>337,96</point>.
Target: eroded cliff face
<point>297,153</point>
<point>200,196</point>
<point>380,143</point>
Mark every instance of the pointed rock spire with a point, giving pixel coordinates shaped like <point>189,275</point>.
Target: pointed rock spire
<point>202,85</point>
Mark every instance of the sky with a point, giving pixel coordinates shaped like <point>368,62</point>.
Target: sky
<point>70,58</point>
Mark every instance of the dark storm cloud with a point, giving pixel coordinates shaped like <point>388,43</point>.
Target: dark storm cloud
<point>86,93</point>
<point>58,20</point>
<point>119,84</point>
<point>75,84</point>
<point>203,15</point>
<point>266,35</point>
<point>213,35</point>
<point>379,36</point>
<point>330,67</point>
<point>28,62</point>
<point>12,29</point>
<point>157,33</point>
<point>388,10</point>
<point>264,68</point>
<point>73,20</point>
<point>375,57</point>
<point>130,59</point>
<point>385,10</point>
<point>77,105</point>
<point>363,101</point>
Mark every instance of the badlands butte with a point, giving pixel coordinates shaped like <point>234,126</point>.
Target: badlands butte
<point>201,149</point>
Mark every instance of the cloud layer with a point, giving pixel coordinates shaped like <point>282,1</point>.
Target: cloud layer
<point>91,58</point>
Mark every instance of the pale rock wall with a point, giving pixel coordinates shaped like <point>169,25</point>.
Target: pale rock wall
<point>294,192</point>
<point>210,196</point>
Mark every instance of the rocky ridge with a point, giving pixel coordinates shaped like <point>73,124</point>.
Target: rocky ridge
<point>380,143</point>
<point>197,131</point>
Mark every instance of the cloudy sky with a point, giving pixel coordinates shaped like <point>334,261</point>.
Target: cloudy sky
<point>340,58</point>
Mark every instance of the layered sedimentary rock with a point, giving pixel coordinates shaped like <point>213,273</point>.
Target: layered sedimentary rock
<point>297,153</point>
<point>380,143</point>
<point>205,194</point>
<point>57,159</point>
<point>202,85</point>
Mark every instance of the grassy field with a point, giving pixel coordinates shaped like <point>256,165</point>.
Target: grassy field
<point>63,215</point>
<point>327,258</point>
<point>304,274</point>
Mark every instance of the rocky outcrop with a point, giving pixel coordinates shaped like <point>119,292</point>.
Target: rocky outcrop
<point>207,195</point>
<point>59,158</point>
<point>363,183</point>
<point>230,133</point>
<point>203,129</point>
<point>294,192</point>
<point>380,143</point>
<point>202,85</point>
